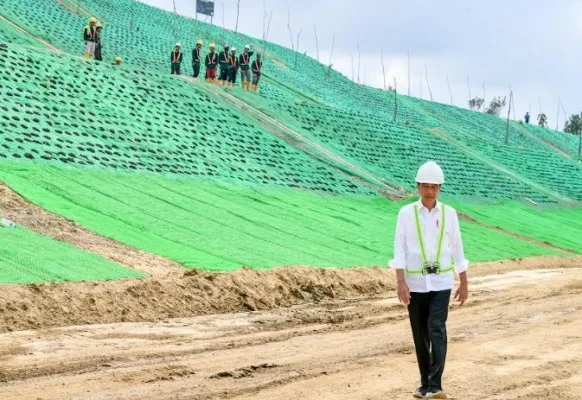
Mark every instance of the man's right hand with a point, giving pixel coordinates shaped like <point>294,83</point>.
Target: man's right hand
<point>403,292</point>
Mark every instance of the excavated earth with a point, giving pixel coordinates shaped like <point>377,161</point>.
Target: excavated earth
<point>289,333</point>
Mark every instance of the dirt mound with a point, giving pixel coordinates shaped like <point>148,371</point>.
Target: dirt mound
<point>194,293</point>
<point>202,293</point>
<point>21,211</point>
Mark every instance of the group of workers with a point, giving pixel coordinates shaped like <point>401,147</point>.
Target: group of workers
<point>93,44</point>
<point>228,63</point>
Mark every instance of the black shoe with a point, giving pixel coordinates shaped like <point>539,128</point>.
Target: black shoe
<point>436,394</point>
<point>420,393</point>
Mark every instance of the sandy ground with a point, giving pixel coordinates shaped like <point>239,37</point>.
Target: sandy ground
<point>519,337</point>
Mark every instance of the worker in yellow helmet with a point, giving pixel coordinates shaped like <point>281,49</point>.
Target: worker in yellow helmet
<point>90,36</point>
<point>211,62</point>
<point>117,61</point>
<point>197,59</point>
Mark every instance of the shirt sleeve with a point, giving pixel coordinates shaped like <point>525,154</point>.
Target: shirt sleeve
<point>399,260</point>
<point>456,242</point>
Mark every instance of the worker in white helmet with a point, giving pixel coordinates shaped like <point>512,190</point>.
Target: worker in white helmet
<point>245,67</point>
<point>176,57</point>
<point>427,238</point>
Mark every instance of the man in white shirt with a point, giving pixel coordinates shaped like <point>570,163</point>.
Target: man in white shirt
<point>427,238</point>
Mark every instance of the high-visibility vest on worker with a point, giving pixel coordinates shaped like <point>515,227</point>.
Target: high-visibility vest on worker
<point>427,265</point>
<point>90,33</point>
<point>245,60</point>
<point>176,57</point>
<point>257,66</point>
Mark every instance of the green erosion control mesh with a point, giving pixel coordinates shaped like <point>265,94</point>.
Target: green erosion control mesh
<point>353,120</point>
<point>223,227</point>
<point>562,227</point>
<point>27,257</point>
<point>59,109</point>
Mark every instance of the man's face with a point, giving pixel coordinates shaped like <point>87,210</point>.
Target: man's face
<point>429,191</point>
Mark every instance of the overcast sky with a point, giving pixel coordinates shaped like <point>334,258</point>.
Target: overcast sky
<point>533,45</point>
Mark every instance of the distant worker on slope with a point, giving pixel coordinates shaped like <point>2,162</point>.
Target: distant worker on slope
<point>224,66</point>
<point>176,59</point>
<point>89,33</point>
<point>117,61</point>
<point>197,59</point>
<point>245,67</point>
<point>233,64</point>
<point>256,67</point>
<point>98,42</point>
<point>427,238</point>
<point>527,117</point>
<point>210,62</point>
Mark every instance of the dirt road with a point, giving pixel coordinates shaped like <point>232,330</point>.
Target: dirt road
<point>520,336</point>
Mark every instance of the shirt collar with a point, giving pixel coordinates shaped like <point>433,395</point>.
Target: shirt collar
<point>422,207</point>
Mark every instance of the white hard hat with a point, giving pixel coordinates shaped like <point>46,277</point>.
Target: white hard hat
<point>233,49</point>
<point>178,45</point>
<point>247,47</point>
<point>430,172</point>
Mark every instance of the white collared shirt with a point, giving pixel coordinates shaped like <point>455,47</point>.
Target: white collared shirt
<point>407,250</point>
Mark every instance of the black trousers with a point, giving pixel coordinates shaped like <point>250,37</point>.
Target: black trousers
<point>175,68</point>
<point>232,75</point>
<point>224,73</point>
<point>196,68</point>
<point>428,316</point>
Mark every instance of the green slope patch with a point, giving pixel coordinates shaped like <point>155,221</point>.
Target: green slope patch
<point>222,227</point>
<point>27,257</point>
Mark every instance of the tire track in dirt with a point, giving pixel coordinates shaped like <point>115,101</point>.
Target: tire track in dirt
<point>520,335</point>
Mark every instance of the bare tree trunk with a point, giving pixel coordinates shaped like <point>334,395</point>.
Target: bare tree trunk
<point>427,82</point>
<point>450,91</point>
<point>558,115</point>
<point>223,16</point>
<point>395,102</point>
<point>316,41</point>
<point>409,73</point>
<point>508,114</point>
<point>352,56</point>
<point>359,58</point>
<point>383,68</point>
<point>297,48</point>
<point>289,28</point>
<point>269,24</point>
<point>484,101</point>
<point>562,105</point>
<point>332,48</point>
<point>175,12</point>
<point>237,15</point>
<point>420,84</point>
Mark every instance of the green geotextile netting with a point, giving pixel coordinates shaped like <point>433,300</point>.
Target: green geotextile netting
<point>222,227</point>
<point>353,120</point>
<point>27,257</point>
<point>528,157</point>
<point>60,109</point>
<point>390,151</point>
<point>561,227</point>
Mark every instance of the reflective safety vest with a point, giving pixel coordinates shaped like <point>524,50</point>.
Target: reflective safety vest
<point>244,59</point>
<point>176,57</point>
<point>426,264</point>
<point>90,32</point>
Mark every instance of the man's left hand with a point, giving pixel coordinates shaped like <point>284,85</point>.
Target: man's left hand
<point>462,293</point>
